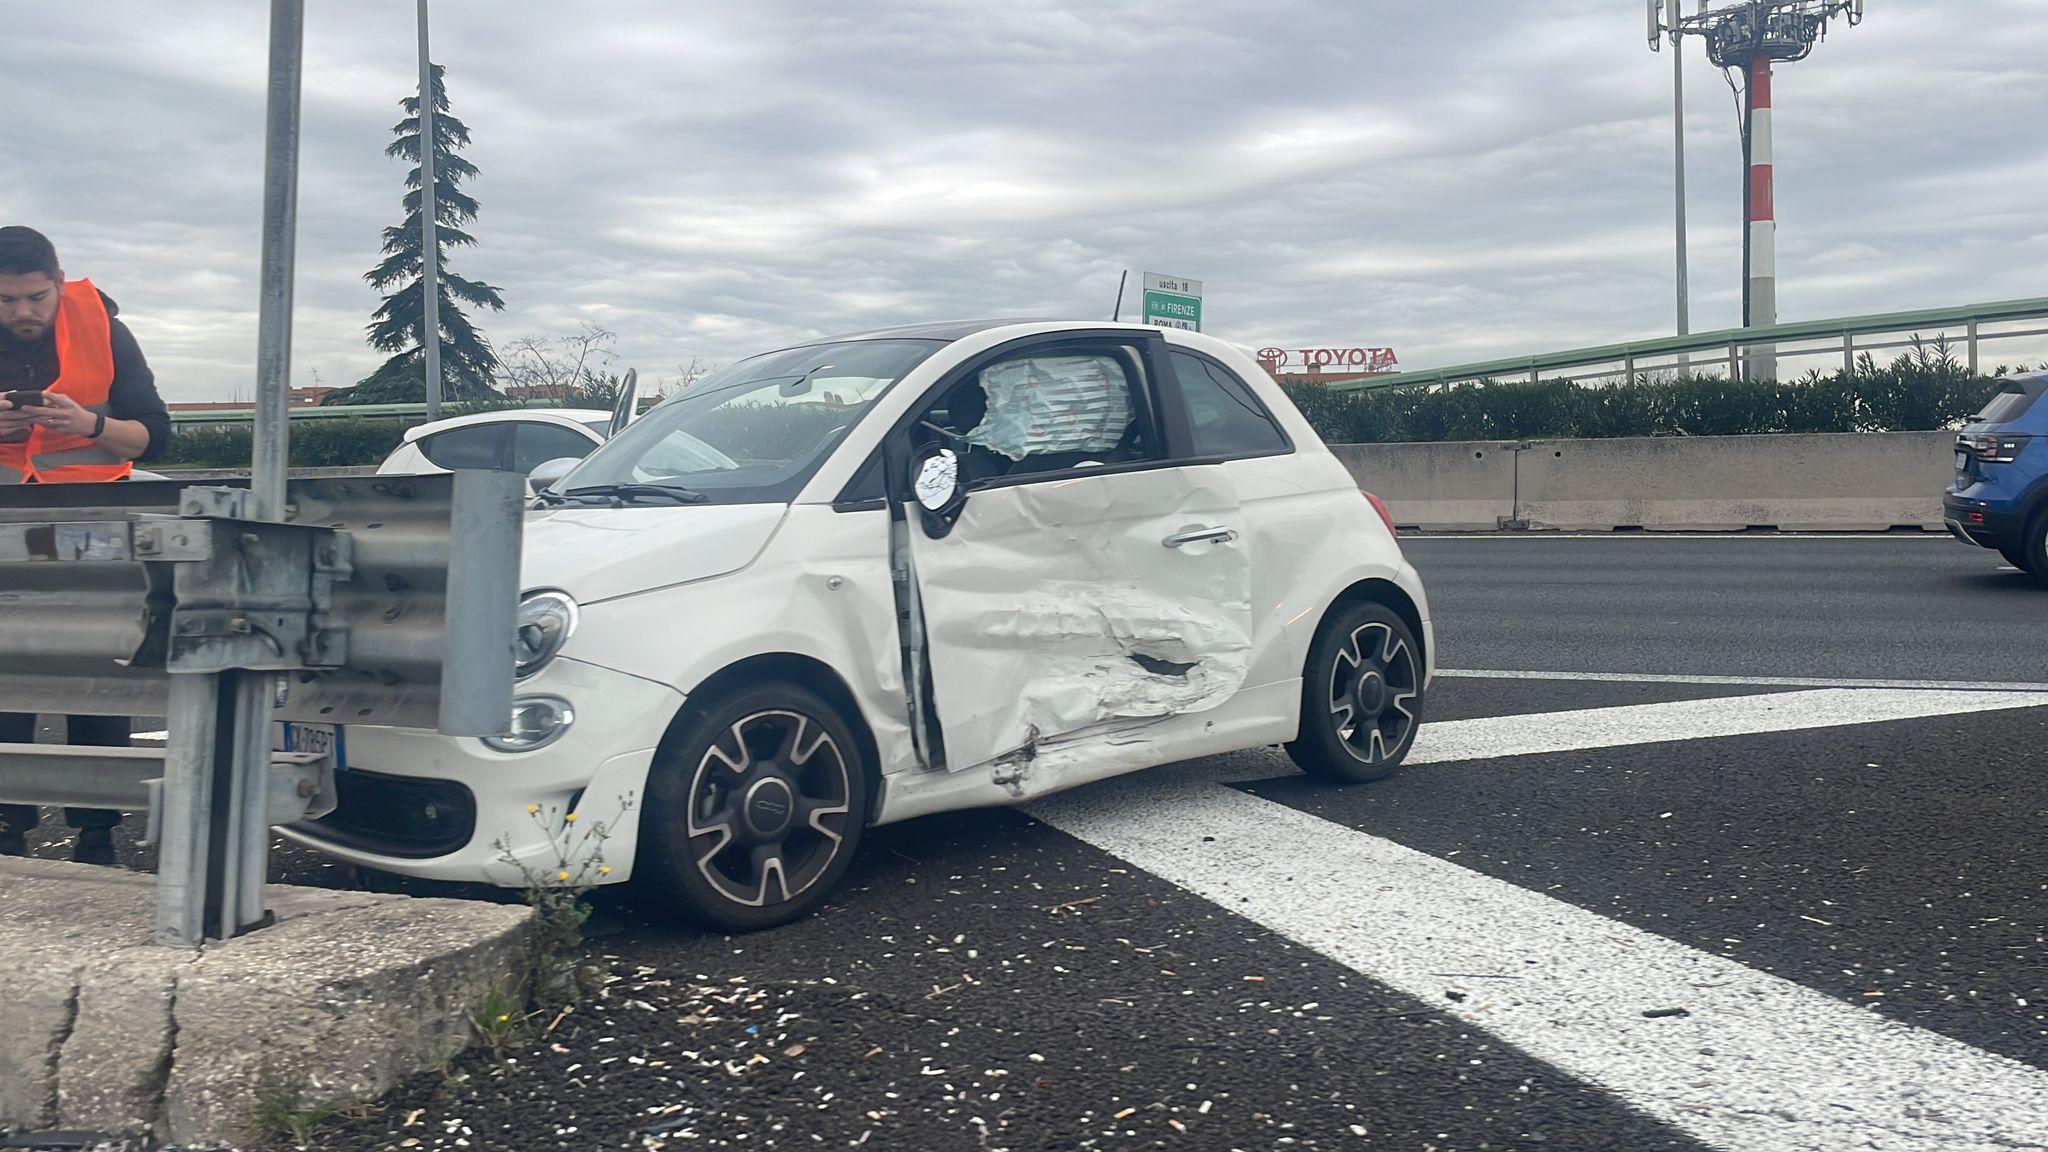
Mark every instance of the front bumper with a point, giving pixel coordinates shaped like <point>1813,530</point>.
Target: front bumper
<point>439,807</point>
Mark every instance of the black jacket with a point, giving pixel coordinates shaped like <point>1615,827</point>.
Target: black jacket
<point>133,396</point>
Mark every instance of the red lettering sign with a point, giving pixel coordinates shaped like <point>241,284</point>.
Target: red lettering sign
<point>1359,359</point>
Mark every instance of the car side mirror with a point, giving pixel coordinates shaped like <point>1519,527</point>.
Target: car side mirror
<point>547,472</point>
<point>935,483</point>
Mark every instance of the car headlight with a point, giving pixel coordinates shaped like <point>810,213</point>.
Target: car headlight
<point>537,721</point>
<point>545,622</point>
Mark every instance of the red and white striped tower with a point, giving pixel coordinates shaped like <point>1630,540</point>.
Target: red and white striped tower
<point>1761,301</point>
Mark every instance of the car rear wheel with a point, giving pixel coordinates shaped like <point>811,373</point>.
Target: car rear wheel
<point>754,814</point>
<point>1361,696</point>
<point>2017,556</point>
<point>2034,549</point>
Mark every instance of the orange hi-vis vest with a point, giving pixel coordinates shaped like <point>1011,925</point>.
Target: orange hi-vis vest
<point>85,373</point>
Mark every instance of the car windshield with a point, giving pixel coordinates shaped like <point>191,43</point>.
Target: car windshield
<point>753,432</point>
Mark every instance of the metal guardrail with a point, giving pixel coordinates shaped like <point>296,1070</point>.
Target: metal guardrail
<point>1735,349</point>
<point>331,412</point>
<point>375,600</point>
<point>414,412</point>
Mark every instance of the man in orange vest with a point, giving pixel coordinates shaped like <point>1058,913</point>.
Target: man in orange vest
<point>78,404</point>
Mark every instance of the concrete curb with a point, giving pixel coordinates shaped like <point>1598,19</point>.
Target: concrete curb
<point>346,996</point>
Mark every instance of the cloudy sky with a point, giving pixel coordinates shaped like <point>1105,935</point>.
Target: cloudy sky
<point>710,179</point>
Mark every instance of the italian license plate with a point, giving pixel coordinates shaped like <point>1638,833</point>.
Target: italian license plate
<point>325,739</point>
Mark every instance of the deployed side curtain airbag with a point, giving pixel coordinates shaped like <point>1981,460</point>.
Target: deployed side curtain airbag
<point>1041,405</point>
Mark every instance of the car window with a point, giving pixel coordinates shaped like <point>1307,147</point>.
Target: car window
<point>1048,409</point>
<point>534,444</point>
<point>471,446</point>
<point>2010,403</point>
<point>757,430</point>
<point>1226,419</point>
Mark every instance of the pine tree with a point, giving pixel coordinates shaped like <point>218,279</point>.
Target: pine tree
<point>468,363</point>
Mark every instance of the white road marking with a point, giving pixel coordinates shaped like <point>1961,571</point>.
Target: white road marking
<point>150,736</point>
<point>1759,1062</point>
<point>1673,534</point>
<point>1748,681</point>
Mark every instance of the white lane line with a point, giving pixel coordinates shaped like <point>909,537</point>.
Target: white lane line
<point>1747,681</point>
<point>1672,534</point>
<point>1534,735</point>
<point>1758,1063</point>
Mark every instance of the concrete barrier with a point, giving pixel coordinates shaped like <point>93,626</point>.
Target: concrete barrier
<point>1827,482</point>
<point>1453,486</point>
<point>1823,483</point>
<point>104,1030</point>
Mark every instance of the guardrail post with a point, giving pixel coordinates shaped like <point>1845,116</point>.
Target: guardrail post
<point>1848,354</point>
<point>1973,347</point>
<point>1734,363</point>
<point>249,862</point>
<point>1628,370</point>
<point>187,851</point>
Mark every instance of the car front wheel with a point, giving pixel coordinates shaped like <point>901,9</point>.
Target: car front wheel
<point>1361,699</point>
<point>753,815</point>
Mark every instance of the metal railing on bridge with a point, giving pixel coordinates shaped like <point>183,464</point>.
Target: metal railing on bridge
<point>1752,351</point>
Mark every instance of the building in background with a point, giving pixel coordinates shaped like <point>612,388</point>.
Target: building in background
<point>300,398</point>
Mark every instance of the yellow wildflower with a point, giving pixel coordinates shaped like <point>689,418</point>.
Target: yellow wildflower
<point>561,875</point>
<point>604,869</point>
<point>570,818</point>
<point>502,1019</point>
<point>532,808</point>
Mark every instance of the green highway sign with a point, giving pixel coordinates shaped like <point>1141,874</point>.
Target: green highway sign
<point>1172,302</point>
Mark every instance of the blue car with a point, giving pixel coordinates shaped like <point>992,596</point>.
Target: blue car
<point>2000,495</point>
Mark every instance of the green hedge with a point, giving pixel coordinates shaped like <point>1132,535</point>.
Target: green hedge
<point>314,444</point>
<point>1919,392</point>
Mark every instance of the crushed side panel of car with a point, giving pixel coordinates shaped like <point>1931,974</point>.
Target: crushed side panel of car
<point>1057,606</point>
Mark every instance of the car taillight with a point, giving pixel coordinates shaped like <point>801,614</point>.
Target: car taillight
<point>1993,447</point>
<point>1380,506</point>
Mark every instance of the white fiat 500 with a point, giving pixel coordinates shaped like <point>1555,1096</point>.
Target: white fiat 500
<point>928,568</point>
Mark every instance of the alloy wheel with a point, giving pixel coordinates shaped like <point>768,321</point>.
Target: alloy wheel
<point>1373,685</point>
<point>769,807</point>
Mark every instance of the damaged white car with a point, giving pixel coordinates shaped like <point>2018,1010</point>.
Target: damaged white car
<point>876,577</point>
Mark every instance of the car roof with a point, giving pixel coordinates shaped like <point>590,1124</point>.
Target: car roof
<point>950,330</point>
<point>578,417</point>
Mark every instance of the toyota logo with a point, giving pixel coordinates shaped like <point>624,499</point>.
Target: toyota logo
<point>1273,355</point>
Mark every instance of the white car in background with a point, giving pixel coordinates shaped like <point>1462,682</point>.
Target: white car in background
<point>511,439</point>
<point>871,578</point>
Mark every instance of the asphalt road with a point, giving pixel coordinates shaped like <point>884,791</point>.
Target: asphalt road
<point>1590,914</point>
<point>1913,607</point>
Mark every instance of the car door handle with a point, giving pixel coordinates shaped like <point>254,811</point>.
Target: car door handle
<point>1199,536</point>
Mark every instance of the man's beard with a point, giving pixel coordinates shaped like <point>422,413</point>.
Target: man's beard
<point>29,337</point>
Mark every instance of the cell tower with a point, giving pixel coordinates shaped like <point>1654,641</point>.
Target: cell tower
<point>1751,36</point>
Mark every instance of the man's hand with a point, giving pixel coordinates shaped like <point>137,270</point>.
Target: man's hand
<point>13,423</point>
<point>61,413</point>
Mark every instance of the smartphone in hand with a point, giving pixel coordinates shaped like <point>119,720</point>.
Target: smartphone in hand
<point>27,398</point>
